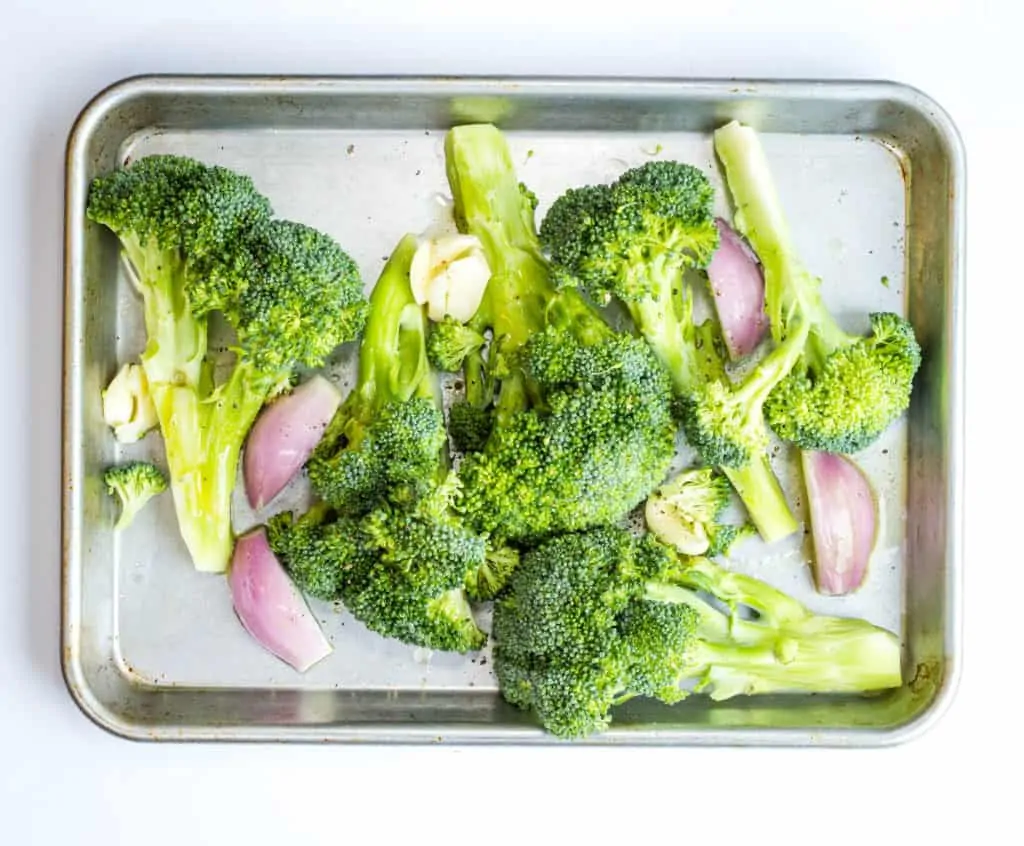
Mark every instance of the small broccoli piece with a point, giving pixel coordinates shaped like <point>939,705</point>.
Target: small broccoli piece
<point>633,240</point>
<point>387,438</point>
<point>845,389</point>
<point>128,405</point>
<point>686,512</point>
<point>200,239</point>
<point>582,425</point>
<point>591,619</point>
<point>449,342</point>
<point>134,484</point>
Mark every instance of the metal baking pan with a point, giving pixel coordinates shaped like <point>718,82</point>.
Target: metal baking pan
<point>872,174</point>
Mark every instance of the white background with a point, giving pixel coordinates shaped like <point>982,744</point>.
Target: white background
<point>64,781</point>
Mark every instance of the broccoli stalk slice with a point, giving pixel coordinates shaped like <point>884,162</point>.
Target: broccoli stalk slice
<point>787,649</point>
<point>203,438</point>
<point>202,433</point>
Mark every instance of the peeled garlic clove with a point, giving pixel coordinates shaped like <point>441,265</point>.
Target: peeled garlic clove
<point>127,405</point>
<point>420,271</point>
<point>467,281</point>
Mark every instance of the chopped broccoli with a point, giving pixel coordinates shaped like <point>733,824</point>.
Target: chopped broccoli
<point>591,619</point>
<point>845,389</point>
<point>134,484</point>
<point>387,438</point>
<point>633,240</point>
<point>200,239</point>
<point>449,342</point>
<point>582,425</point>
<point>387,539</point>
<point>686,513</point>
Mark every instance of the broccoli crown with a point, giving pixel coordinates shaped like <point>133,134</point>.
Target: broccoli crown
<point>387,439</point>
<point>843,403</point>
<point>394,452</point>
<point>593,618</point>
<point>469,426</point>
<point>593,449</point>
<point>134,484</point>
<point>632,238</point>
<point>722,429</point>
<point>299,297</point>
<point>398,569</point>
<point>177,203</point>
<point>449,342</point>
<point>318,549</point>
<point>571,639</point>
<point>411,584</point>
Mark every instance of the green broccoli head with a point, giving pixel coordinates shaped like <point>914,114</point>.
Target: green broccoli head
<point>558,650</point>
<point>393,452</point>
<point>631,239</point>
<point>411,585</point>
<point>593,449</point>
<point>303,301</point>
<point>449,342</point>
<point>317,549</point>
<point>387,440</point>
<point>134,484</point>
<point>173,210</point>
<point>843,401</point>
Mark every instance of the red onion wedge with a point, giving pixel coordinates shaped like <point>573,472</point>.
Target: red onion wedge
<point>844,517</point>
<point>284,436</point>
<point>271,607</point>
<point>736,281</point>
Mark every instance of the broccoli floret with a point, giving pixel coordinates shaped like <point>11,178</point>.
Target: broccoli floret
<point>845,389</point>
<point>134,484</point>
<point>633,240</point>
<point>401,570</point>
<point>591,619</point>
<point>200,239</point>
<point>387,438</point>
<point>686,513</point>
<point>582,425</point>
<point>449,342</point>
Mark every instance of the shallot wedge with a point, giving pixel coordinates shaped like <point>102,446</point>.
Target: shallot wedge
<point>270,607</point>
<point>284,436</point>
<point>736,281</point>
<point>844,519</point>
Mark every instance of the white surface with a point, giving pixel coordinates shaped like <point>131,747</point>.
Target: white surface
<point>62,780</point>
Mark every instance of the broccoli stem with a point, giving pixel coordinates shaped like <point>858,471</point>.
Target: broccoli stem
<point>762,495</point>
<point>791,291</point>
<point>392,355</point>
<point>203,438</point>
<point>787,649</point>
